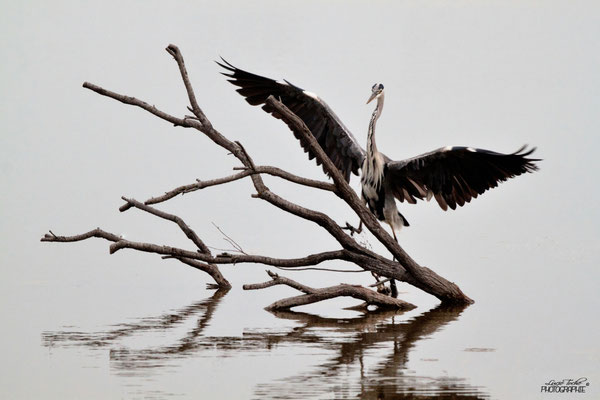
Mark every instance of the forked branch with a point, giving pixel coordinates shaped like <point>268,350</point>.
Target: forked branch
<point>269,170</point>
<point>210,269</point>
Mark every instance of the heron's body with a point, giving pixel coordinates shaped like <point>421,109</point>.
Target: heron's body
<point>451,175</point>
<point>379,199</point>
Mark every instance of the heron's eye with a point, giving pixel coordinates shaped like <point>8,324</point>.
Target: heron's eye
<point>380,86</point>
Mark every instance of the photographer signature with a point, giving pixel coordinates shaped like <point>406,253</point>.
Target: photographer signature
<point>568,382</point>
<point>565,386</point>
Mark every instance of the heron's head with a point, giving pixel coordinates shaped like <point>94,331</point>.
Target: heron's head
<point>376,92</point>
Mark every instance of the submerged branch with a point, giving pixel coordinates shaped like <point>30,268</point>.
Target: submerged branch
<point>312,295</point>
<point>279,280</point>
<point>210,269</point>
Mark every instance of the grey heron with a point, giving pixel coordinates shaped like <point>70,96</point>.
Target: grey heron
<point>452,175</point>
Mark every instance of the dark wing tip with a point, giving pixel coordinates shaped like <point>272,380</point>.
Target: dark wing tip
<point>523,152</point>
<point>228,67</point>
<point>292,85</point>
<point>528,163</point>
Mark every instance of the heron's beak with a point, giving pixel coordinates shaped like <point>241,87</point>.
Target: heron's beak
<point>373,95</point>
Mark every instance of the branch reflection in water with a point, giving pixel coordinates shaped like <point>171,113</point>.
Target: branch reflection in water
<point>347,341</point>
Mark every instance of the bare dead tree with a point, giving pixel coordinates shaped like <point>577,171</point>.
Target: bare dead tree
<point>402,268</point>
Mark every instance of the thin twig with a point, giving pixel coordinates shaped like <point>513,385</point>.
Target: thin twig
<point>380,282</point>
<point>223,250</point>
<point>232,242</point>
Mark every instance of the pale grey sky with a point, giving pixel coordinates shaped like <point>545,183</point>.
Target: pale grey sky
<point>492,74</point>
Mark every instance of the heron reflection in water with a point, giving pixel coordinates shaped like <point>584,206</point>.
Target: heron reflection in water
<point>346,342</point>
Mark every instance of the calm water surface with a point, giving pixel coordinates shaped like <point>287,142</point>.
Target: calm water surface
<point>367,356</point>
<point>131,328</point>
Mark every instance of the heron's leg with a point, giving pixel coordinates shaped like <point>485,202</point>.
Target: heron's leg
<point>393,287</point>
<point>375,276</point>
<point>352,229</point>
<point>381,288</point>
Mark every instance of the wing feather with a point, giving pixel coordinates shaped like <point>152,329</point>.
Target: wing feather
<point>455,175</point>
<point>335,139</point>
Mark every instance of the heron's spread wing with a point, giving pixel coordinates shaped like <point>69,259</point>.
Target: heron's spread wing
<point>335,139</point>
<point>454,175</point>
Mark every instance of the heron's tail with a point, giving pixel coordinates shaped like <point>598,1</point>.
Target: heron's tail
<point>404,220</point>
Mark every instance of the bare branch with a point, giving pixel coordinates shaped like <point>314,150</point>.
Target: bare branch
<point>358,292</point>
<point>278,172</point>
<point>279,280</point>
<point>139,103</point>
<point>245,156</point>
<point>239,152</point>
<point>317,217</point>
<point>274,171</point>
<point>322,269</point>
<point>315,295</point>
<point>229,240</point>
<point>210,269</point>
<point>226,258</point>
<point>189,232</point>
<point>99,233</point>
<point>193,187</point>
<point>174,51</point>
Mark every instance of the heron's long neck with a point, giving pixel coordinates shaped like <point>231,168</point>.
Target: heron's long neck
<point>371,145</point>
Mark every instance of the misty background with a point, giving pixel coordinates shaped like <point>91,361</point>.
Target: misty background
<point>494,75</point>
